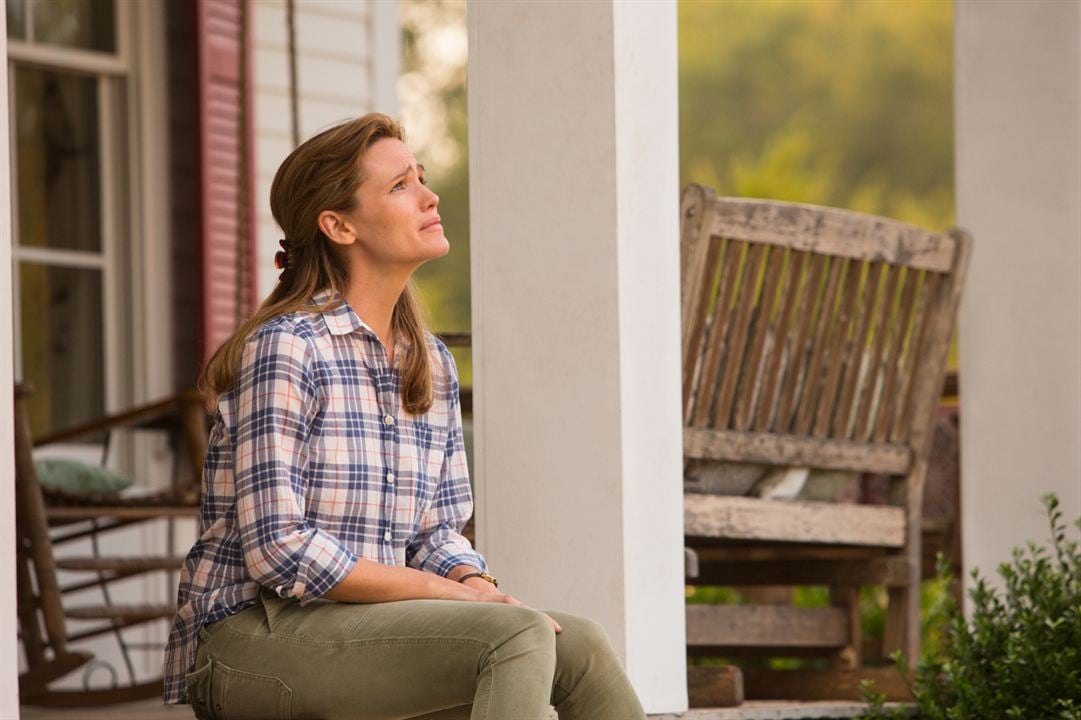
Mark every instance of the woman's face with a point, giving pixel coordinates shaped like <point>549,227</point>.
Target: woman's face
<point>396,223</point>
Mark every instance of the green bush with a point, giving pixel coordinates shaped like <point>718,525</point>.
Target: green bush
<point>1019,653</point>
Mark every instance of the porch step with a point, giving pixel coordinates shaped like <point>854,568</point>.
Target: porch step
<point>781,710</point>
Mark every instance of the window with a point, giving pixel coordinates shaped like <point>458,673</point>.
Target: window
<point>68,76</point>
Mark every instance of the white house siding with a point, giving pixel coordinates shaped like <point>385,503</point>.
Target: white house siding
<point>347,64</point>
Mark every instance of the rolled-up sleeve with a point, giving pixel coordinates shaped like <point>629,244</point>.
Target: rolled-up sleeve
<point>438,546</point>
<point>276,406</point>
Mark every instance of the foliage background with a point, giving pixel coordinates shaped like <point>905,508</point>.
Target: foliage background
<point>846,103</point>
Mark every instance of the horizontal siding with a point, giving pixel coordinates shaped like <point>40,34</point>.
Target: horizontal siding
<point>334,69</point>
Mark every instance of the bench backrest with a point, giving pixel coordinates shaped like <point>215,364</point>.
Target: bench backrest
<point>813,336</point>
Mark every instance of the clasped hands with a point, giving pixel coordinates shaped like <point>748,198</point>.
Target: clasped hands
<point>487,592</point>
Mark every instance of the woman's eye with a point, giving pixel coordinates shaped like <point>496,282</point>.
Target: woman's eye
<point>400,183</point>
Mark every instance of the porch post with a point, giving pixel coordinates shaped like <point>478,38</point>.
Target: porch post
<point>575,287</point>
<point>1018,129</point>
<point>9,652</point>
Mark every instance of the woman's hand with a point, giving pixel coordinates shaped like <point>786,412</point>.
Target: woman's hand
<point>478,589</point>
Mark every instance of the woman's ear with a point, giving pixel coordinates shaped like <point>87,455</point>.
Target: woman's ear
<point>336,228</point>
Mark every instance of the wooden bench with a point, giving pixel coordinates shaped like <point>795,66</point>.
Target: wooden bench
<point>812,337</point>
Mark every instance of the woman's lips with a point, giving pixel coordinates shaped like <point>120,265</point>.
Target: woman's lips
<point>433,226</point>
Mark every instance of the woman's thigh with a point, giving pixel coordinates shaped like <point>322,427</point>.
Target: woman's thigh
<point>335,660</point>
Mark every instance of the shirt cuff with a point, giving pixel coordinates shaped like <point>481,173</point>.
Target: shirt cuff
<point>447,556</point>
<point>326,562</point>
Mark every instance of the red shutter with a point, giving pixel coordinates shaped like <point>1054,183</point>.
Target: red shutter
<point>225,122</point>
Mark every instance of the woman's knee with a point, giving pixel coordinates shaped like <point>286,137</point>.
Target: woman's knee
<point>527,626</point>
<point>583,643</point>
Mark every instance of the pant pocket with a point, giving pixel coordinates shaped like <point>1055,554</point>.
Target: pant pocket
<point>241,695</point>
<point>199,691</point>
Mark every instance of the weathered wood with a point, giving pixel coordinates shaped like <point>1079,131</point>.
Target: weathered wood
<point>824,320</point>
<point>718,551</point>
<point>795,366</point>
<point>736,344</point>
<point>846,598</point>
<point>734,626</point>
<point>773,710</point>
<point>833,232</point>
<point>714,686</point>
<point>33,528</point>
<point>829,684</point>
<point>891,366</point>
<point>693,355</point>
<point>796,268</point>
<point>794,450</point>
<point>840,350</point>
<point>889,570</point>
<point>716,339</point>
<point>869,383</point>
<point>902,423</point>
<point>851,379</point>
<point>741,518</point>
<point>828,360</point>
<point>903,614</point>
<point>698,260</point>
<point>751,381</point>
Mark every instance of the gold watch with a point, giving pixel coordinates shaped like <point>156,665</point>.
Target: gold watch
<point>483,575</point>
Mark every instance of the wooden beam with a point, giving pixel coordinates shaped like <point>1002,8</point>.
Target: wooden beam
<point>793,450</point>
<point>877,571</point>
<point>742,518</point>
<point>734,626</point>
<point>831,231</point>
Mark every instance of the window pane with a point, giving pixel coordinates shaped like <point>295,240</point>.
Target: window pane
<point>62,347</point>
<point>57,160</point>
<point>84,24</point>
<point>16,19</point>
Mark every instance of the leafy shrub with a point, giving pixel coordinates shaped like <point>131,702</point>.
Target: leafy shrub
<point>1018,656</point>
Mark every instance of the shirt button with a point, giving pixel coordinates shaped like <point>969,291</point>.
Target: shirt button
<point>386,536</point>
<point>390,478</point>
<point>388,419</point>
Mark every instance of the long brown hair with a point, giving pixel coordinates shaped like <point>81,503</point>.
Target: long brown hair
<point>323,173</point>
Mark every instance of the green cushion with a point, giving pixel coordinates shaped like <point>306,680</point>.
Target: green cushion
<point>77,477</point>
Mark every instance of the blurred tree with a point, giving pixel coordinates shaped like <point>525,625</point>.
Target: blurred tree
<point>837,102</point>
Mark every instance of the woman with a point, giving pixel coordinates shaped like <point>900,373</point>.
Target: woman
<point>330,579</point>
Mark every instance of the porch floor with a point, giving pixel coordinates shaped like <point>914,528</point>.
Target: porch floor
<point>751,710</point>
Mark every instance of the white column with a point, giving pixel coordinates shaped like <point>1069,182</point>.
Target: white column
<point>9,651</point>
<point>575,252</point>
<point>1018,130</point>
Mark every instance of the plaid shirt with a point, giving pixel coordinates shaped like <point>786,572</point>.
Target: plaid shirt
<point>312,464</point>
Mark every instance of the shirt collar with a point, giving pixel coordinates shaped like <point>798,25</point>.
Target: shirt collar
<point>340,319</point>
<point>343,320</point>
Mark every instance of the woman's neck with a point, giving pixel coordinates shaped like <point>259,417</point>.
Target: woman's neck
<point>373,296</point>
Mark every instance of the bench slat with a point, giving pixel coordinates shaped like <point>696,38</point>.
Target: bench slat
<point>743,518</point>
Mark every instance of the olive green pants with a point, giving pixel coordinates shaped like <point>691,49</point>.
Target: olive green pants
<point>430,659</point>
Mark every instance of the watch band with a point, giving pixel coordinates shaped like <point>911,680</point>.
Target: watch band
<point>483,575</point>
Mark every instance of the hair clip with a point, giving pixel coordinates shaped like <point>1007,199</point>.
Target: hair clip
<point>281,256</point>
